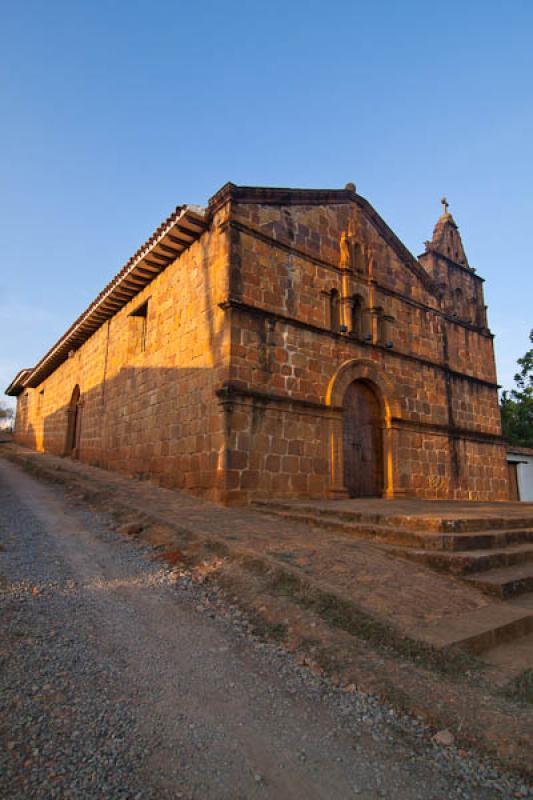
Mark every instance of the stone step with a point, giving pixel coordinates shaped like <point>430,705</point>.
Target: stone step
<point>478,630</point>
<point>364,530</point>
<point>506,581</point>
<point>483,540</point>
<point>524,600</point>
<point>418,522</point>
<point>425,540</point>
<point>469,561</point>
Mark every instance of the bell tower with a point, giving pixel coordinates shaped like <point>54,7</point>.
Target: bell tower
<point>446,240</point>
<point>460,289</point>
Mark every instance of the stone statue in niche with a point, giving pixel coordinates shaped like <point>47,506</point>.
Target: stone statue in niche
<point>345,255</point>
<point>351,253</point>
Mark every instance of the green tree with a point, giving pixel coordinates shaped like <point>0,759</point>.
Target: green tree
<point>517,405</point>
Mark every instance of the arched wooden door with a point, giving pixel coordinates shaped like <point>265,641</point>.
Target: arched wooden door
<point>73,423</point>
<point>362,442</point>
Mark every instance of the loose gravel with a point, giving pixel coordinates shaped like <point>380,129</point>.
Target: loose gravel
<point>122,678</point>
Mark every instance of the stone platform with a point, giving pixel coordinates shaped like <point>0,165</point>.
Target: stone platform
<point>364,552</point>
<point>465,539</point>
<point>445,510</point>
<point>487,545</point>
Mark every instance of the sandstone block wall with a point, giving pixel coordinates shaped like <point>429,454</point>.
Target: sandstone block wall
<point>148,408</point>
<point>442,438</point>
<point>230,383</point>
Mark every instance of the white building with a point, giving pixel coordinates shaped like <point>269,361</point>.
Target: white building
<point>520,462</point>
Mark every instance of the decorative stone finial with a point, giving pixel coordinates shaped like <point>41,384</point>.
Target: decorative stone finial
<point>350,187</point>
<point>445,205</point>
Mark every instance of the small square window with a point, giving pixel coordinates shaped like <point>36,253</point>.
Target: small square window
<point>138,324</point>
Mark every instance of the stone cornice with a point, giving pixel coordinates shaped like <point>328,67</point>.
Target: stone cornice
<point>450,431</point>
<point>450,262</point>
<point>231,391</point>
<point>346,338</point>
<point>277,196</point>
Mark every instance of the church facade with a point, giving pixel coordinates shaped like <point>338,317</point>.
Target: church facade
<point>280,343</point>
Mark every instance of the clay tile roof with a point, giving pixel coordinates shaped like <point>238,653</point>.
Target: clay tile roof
<point>180,229</point>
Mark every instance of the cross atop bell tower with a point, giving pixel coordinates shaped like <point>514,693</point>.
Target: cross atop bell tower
<point>446,240</point>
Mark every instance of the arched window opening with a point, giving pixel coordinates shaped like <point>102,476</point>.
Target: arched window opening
<point>334,311</point>
<point>356,327</point>
<point>73,423</point>
<point>378,326</point>
<point>459,302</point>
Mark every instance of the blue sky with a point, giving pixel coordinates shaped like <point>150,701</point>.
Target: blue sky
<point>112,113</point>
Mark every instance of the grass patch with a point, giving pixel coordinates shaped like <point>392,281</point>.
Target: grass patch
<point>521,688</point>
<point>275,631</point>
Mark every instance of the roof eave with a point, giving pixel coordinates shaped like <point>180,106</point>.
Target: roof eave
<point>16,387</point>
<point>169,241</point>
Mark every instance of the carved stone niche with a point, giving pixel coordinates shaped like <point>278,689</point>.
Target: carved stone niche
<point>352,256</point>
<point>386,328</point>
<point>367,324</point>
<point>381,327</point>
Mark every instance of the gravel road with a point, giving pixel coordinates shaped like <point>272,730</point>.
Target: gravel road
<point>118,680</point>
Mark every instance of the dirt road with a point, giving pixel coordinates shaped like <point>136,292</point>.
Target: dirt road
<point>116,683</point>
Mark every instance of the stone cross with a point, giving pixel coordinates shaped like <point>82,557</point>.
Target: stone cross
<point>445,205</point>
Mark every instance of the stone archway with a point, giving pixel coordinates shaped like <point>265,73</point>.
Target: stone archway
<point>73,424</point>
<point>382,405</point>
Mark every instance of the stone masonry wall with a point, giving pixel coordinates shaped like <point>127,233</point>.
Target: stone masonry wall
<point>444,435</point>
<point>150,411</point>
<point>233,389</point>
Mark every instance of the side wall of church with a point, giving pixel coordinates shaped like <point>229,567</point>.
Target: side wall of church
<point>147,397</point>
<point>438,373</point>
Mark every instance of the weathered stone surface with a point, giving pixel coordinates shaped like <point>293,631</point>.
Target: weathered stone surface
<point>444,738</point>
<point>232,384</point>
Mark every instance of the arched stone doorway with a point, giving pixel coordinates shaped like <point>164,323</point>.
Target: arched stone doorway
<point>73,424</point>
<point>383,396</point>
<point>362,441</point>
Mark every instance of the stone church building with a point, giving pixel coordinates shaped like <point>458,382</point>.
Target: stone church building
<point>280,343</point>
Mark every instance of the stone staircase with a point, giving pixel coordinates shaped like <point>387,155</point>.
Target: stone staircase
<point>493,552</point>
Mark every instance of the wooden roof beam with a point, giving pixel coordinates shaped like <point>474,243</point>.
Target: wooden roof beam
<point>146,273</point>
<point>133,282</point>
<point>161,257</point>
<point>143,268</point>
<point>171,250</point>
<point>124,296</point>
<point>178,240</point>
<point>187,232</point>
<point>160,267</point>
<point>109,302</point>
<point>191,218</point>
